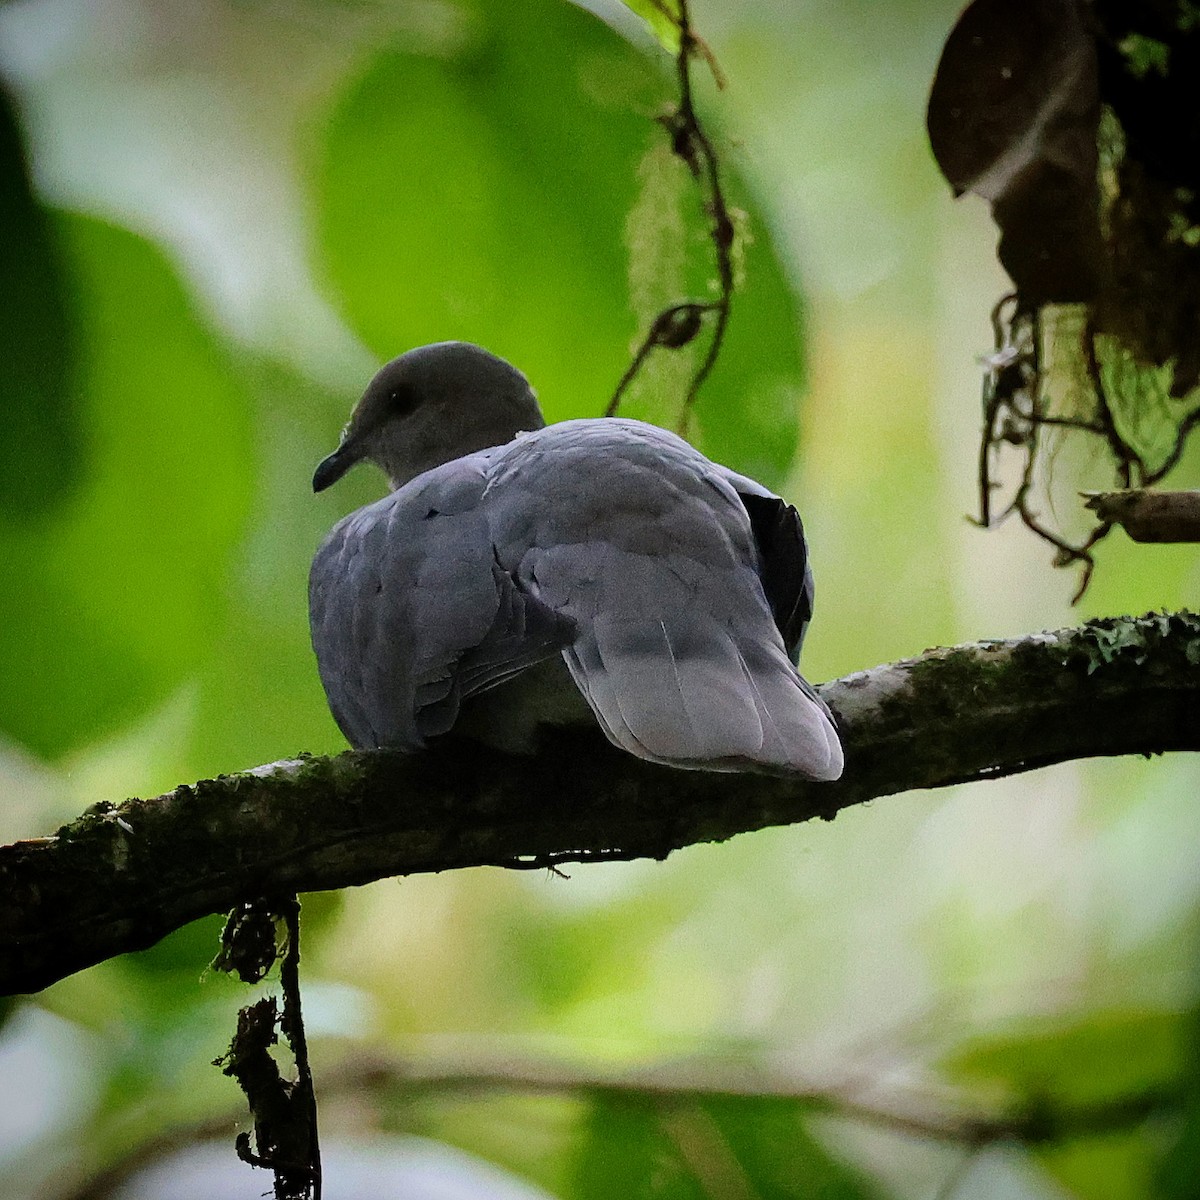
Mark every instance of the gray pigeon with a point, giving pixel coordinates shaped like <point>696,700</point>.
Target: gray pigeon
<point>675,591</point>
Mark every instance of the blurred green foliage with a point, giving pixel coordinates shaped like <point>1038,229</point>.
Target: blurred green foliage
<point>488,171</point>
<point>121,589</point>
<point>455,201</point>
<point>639,1146</point>
<point>662,16</point>
<point>1110,1056</point>
<point>1105,1094</point>
<point>40,453</point>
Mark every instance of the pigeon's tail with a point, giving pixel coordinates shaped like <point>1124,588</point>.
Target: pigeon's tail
<point>687,691</point>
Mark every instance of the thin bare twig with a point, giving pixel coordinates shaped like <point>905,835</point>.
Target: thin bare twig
<point>1014,412</point>
<point>999,384</point>
<point>722,230</point>
<point>673,327</point>
<point>678,324</point>
<point>284,1112</point>
<point>1124,456</point>
<point>292,1024</point>
<point>1182,434</point>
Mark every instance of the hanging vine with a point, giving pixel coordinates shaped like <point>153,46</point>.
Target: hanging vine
<point>1078,123</point>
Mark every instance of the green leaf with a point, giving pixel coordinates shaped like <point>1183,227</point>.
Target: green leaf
<point>483,194</point>
<point>113,602</point>
<point>1105,1058</point>
<point>1176,1175</point>
<point>627,1153</point>
<point>40,450</point>
<point>1119,1166</point>
<point>1106,1093</point>
<point>663,17</point>
<point>652,1145</point>
<point>1147,413</point>
<point>778,1157</point>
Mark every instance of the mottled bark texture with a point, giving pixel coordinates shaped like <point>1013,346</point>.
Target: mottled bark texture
<point>1148,515</point>
<point>122,876</point>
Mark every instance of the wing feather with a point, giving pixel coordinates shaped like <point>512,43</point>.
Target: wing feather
<point>654,555</point>
<point>411,613</point>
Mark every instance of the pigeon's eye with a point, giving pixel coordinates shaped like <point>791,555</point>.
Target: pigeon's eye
<point>401,401</point>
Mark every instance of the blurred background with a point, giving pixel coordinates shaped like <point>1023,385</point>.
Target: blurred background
<point>242,208</point>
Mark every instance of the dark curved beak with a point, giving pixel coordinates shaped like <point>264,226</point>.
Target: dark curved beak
<point>330,470</point>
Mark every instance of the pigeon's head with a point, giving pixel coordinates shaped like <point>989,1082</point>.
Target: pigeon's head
<point>429,406</point>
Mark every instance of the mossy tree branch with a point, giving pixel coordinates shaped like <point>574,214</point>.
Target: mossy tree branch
<point>122,876</point>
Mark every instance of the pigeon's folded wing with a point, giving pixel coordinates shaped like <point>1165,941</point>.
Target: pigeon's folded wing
<point>650,551</point>
<point>411,611</point>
